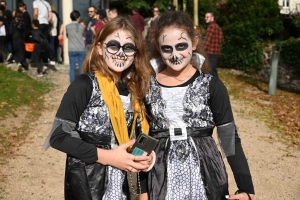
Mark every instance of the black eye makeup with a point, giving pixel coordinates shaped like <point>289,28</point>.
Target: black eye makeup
<point>166,48</point>
<point>179,47</point>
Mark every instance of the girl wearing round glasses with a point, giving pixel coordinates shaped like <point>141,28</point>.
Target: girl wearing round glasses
<point>100,114</point>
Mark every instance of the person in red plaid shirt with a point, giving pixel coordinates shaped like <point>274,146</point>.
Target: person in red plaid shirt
<point>213,40</point>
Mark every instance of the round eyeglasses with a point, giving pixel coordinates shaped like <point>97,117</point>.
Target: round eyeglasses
<point>129,49</point>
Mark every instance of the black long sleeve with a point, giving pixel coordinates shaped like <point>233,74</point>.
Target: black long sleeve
<point>72,106</point>
<point>240,168</point>
<point>221,108</point>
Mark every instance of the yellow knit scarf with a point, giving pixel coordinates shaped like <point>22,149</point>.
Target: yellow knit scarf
<point>114,103</point>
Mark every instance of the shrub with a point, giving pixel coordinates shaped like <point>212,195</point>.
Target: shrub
<point>289,54</point>
<point>248,23</point>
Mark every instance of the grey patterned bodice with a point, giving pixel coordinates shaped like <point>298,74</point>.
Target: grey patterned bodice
<point>95,117</point>
<point>197,112</point>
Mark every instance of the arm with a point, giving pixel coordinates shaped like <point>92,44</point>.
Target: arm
<point>11,28</point>
<point>93,26</point>
<point>72,106</point>
<point>208,36</point>
<point>66,138</point>
<point>49,16</point>
<point>221,36</point>
<point>228,135</point>
<point>61,30</point>
<point>93,29</point>
<point>35,13</point>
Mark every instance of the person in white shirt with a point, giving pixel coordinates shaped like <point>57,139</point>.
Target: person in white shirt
<point>42,12</point>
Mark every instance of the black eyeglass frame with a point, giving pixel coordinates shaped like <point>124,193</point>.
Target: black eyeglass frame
<point>135,50</point>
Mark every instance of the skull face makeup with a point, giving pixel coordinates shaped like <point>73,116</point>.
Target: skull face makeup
<point>118,50</point>
<point>176,48</point>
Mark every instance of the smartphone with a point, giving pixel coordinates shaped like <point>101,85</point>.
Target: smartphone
<point>143,145</point>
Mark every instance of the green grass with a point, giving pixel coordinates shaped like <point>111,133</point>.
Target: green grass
<point>18,89</point>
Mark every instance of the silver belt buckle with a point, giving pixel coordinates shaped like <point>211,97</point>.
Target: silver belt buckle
<point>178,133</point>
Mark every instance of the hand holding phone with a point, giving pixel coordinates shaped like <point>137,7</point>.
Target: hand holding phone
<point>144,145</point>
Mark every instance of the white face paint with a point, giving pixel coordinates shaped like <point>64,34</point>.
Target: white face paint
<point>118,50</point>
<point>176,48</point>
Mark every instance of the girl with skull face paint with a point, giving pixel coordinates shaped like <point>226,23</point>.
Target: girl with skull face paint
<point>100,114</point>
<point>184,105</point>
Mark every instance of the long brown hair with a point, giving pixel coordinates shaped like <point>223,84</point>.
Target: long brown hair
<point>137,76</point>
<point>182,21</point>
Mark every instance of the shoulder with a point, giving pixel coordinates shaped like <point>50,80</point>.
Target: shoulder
<point>35,4</point>
<point>26,14</point>
<point>48,5</point>
<point>54,16</point>
<point>217,86</point>
<point>8,12</point>
<point>82,83</point>
<point>215,25</point>
<point>69,25</point>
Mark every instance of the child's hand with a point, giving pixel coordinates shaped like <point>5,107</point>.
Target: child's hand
<point>120,158</point>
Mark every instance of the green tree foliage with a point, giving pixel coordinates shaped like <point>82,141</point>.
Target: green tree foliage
<point>289,54</point>
<point>145,6</point>
<point>247,24</point>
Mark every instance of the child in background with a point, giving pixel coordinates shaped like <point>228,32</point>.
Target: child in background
<point>41,48</point>
<point>18,31</point>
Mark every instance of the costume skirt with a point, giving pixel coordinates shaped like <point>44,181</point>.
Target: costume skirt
<point>191,169</point>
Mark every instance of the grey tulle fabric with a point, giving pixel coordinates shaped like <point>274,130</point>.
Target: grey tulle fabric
<point>226,136</point>
<point>67,126</point>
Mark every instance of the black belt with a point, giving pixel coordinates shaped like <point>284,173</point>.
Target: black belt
<point>191,131</point>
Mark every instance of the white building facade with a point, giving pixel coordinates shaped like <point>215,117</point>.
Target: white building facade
<point>289,6</point>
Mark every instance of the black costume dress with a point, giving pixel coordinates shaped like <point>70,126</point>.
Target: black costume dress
<point>193,168</point>
<point>83,123</point>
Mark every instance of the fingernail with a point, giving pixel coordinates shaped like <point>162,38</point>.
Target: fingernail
<point>227,196</point>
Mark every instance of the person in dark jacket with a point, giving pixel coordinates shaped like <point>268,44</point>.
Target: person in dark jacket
<point>3,32</point>
<point>41,48</point>
<point>28,27</point>
<point>8,16</point>
<point>18,31</point>
<point>137,20</point>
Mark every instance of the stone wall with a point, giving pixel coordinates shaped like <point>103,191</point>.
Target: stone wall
<point>285,77</point>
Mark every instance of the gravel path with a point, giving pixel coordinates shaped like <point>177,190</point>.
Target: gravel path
<point>36,175</point>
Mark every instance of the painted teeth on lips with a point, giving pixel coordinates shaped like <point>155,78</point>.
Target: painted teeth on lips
<point>118,57</point>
